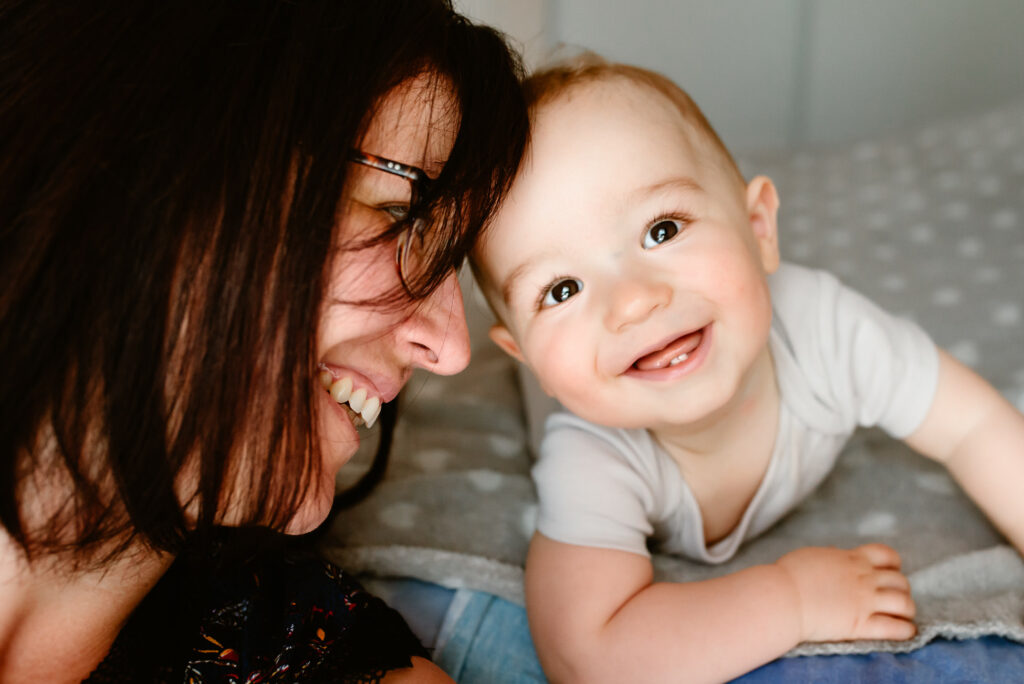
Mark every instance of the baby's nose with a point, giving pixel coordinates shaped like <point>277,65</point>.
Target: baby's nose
<point>632,300</point>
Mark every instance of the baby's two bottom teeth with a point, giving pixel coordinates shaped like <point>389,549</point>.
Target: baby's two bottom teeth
<point>678,359</point>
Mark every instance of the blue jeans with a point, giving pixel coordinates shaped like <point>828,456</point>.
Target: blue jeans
<point>486,640</point>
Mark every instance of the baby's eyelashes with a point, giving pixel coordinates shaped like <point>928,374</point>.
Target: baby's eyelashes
<point>561,289</point>
<point>558,292</point>
<point>662,231</point>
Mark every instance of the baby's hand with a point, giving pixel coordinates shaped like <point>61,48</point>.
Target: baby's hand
<point>851,594</point>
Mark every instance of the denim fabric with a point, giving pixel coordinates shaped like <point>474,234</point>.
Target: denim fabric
<point>486,640</point>
<point>973,661</point>
<point>424,605</point>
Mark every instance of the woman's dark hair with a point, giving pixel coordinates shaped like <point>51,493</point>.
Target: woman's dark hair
<point>170,175</point>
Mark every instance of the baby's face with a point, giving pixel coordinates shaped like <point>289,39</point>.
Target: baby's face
<point>628,268</point>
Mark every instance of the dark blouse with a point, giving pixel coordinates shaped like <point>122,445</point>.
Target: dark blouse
<point>285,616</point>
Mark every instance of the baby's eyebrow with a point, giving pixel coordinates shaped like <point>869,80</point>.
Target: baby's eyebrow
<point>677,183</point>
<point>510,281</point>
<point>515,276</point>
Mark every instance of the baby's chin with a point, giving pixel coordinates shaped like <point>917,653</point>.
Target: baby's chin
<point>608,417</point>
<point>635,418</point>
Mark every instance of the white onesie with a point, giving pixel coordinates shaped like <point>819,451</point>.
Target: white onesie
<point>841,362</point>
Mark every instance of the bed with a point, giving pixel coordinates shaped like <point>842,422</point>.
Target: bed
<point>928,222</point>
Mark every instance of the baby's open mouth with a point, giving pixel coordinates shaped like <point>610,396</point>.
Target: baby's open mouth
<point>362,409</point>
<point>676,351</point>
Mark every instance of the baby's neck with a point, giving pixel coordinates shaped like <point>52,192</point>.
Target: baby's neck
<point>56,625</point>
<point>724,459</point>
<point>749,417</point>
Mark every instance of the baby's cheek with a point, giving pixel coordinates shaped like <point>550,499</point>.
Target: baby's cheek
<point>555,367</point>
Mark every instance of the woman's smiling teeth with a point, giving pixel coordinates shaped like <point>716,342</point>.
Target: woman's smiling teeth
<point>364,409</point>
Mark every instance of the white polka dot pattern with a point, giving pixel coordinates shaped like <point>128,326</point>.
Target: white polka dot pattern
<point>401,515</point>
<point>877,524</point>
<point>485,480</point>
<point>929,224</point>
<point>433,460</point>
<point>528,521</point>
<point>937,483</point>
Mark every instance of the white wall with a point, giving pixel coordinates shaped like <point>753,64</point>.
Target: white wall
<point>882,64</point>
<point>772,74</point>
<point>527,23</point>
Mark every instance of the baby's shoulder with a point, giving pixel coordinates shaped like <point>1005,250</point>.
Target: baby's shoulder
<point>583,466</point>
<point>812,308</point>
<point>565,429</point>
<point>798,290</point>
<point>569,437</point>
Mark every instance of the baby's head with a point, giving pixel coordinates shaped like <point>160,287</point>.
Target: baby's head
<point>627,265</point>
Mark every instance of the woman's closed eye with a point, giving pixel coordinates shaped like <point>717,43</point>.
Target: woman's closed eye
<point>558,292</point>
<point>661,231</point>
<point>399,212</point>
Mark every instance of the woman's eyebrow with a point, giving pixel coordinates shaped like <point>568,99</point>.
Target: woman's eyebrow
<point>433,167</point>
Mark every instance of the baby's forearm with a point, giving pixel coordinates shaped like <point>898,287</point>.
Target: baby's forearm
<point>989,465</point>
<point>596,616</point>
<point>708,631</point>
<point>979,435</point>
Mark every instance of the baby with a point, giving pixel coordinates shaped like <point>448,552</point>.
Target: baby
<point>711,387</point>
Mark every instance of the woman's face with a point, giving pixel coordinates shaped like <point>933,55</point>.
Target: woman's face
<point>367,353</point>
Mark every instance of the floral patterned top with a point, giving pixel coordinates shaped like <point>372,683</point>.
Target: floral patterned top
<point>289,617</point>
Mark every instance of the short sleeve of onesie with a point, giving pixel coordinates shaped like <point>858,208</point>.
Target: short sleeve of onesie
<point>864,365</point>
<point>593,487</point>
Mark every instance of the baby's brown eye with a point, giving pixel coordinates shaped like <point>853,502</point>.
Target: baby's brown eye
<point>661,232</point>
<point>561,291</point>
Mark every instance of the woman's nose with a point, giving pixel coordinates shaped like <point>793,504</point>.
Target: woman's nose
<point>633,299</point>
<point>436,335</point>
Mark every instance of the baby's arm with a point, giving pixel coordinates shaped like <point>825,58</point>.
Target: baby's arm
<point>979,436</point>
<point>596,615</point>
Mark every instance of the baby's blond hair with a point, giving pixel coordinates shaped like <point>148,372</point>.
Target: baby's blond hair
<point>552,82</point>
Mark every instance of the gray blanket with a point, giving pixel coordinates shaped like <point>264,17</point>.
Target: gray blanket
<point>930,224</point>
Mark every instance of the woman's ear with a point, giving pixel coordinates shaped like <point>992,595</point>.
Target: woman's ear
<point>763,210</point>
<point>503,338</point>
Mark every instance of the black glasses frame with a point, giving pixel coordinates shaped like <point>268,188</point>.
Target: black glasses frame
<point>410,239</point>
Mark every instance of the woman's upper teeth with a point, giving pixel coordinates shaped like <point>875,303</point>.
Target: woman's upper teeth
<point>341,391</point>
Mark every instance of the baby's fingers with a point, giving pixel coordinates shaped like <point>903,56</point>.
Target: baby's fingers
<point>892,579</point>
<point>887,627</point>
<point>895,603</point>
<point>880,555</point>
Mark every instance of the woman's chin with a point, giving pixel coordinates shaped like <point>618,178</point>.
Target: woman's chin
<point>313,511</point>
<point>339,443</point>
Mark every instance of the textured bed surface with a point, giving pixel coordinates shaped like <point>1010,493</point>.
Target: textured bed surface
<point>928,223</point>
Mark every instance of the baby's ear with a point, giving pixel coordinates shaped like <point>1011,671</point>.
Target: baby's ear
<point>763,209</point>
<point>503,338</point>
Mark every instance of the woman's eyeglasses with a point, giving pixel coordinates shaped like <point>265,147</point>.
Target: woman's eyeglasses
<point>409,248</point>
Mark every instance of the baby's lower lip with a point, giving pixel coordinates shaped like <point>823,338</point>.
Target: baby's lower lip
<point>680,365</point>
<point>673,353</point>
